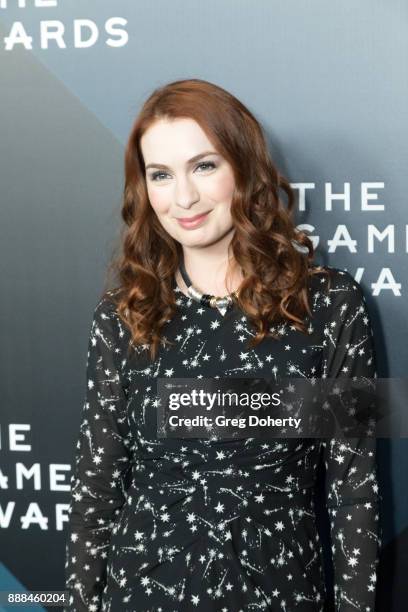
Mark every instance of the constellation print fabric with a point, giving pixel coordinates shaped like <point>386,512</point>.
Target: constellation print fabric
<point>173,525</point>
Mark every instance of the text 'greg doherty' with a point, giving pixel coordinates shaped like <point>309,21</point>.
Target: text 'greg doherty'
<point>221,421</point>
<point>206,400</point>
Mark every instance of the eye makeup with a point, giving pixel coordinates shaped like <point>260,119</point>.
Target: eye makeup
<point>154,176</point>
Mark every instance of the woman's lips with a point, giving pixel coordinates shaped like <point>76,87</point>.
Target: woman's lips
<point>193,222</point>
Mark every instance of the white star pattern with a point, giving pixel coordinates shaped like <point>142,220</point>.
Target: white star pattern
<point>200,515</point>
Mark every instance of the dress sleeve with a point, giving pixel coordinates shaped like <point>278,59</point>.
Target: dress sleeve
<point>352,493</point>
<point>102,459</point>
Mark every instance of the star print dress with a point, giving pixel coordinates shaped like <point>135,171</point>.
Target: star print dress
<point>173,525</point>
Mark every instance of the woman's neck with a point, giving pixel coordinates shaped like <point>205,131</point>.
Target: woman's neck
<point>208,270</point>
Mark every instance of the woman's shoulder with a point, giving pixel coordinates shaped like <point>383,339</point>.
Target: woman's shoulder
<point>333,288</point>
<point>105,308</point>
<point>333,279</point>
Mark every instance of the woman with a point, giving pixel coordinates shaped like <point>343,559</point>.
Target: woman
<point>164,524</point>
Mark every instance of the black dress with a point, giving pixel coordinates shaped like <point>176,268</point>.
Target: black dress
<point>166,525</point>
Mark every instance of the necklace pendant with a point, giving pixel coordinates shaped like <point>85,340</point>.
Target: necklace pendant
<point>221,309</point>
<point>222,304</point>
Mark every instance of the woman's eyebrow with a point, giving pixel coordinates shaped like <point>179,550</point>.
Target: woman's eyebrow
<point>190,161</point>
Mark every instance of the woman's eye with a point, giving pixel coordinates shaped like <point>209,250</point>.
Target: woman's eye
<point>207,165</point>
<point>157,176</point>
<point>154,176</point>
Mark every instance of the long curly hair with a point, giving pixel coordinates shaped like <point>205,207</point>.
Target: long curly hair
<point>275,258</point>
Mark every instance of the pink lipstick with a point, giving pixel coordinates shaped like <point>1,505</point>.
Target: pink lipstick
<point>192,222</point>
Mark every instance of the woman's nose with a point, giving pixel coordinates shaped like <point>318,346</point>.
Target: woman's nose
<point>186,192</point>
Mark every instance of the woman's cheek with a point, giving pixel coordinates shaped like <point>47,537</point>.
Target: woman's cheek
<point>158,200</point>
<point>223,187</point>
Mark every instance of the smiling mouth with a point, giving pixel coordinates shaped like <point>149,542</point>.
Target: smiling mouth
<point>192,222</point>
<point>188,219</point>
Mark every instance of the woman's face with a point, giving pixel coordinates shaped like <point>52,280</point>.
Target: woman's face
<point>186,177</point>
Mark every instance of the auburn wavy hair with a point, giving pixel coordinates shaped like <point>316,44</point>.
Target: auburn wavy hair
<point>265,244</point>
